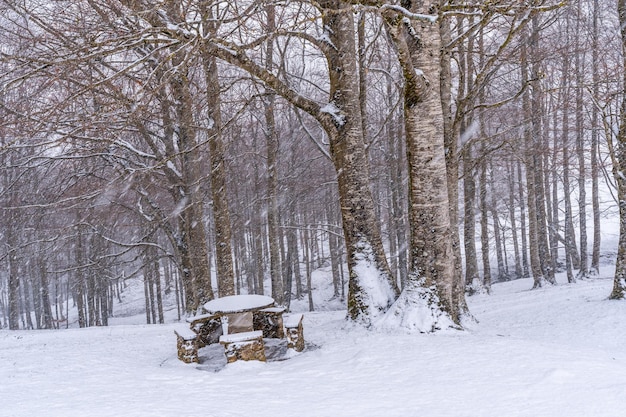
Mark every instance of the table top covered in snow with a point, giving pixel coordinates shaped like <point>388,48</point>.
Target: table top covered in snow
<point>238,303</point>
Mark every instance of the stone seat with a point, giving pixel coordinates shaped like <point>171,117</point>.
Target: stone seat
<point>294,332</point>
<point>245,346</point>
<point>187,344</point>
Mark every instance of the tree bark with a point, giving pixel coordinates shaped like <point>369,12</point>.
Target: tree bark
<point>469,222</point>
<point>484,222</point>
<point>580,60</point>
<point>513,219</point>
<point>221,212</point>
<point>496,232</point>
<point>619,168</point>
<point>271,136</point>
<point>595,128</point>
<point>451,136</point>
<point>530,162</point>
<point>432,265</point>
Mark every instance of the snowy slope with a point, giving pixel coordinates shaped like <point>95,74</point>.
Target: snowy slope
<point>556,351</point>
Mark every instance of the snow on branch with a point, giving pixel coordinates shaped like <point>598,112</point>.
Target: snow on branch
<point>504,8</point>
<point>415,16</point>
<point>338,117</point>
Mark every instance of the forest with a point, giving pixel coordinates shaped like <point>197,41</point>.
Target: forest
<point>420,149</point>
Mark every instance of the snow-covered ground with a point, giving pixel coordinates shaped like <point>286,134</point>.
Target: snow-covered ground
<point>557,351</point>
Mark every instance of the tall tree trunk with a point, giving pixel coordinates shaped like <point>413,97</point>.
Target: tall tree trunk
<point>581,151</point>
<point>522,206</point>
<point>44,294</point>
<point>496,229</point>
<point>278,290</point>
<point>432,276</point>
<point>334,246</point>
<point>469,223</point>
<point>619,170</point>
<point>538,157</point>
<point>396,159</point>
<point>548,171</point>
<point>555,226</point>
<point>513,219</point>
<point>366,299</point>
<point>595,129</point>
<point>484,223</point>
<point>568,229</point>
<point>221,212</point>
<point>78,283</point>
<point>450,138</point>
<point>14,279</point>
<point>146,295</point>
<point>530,161</point>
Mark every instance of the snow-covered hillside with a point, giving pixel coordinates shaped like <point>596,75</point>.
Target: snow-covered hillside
<point>556,351</point>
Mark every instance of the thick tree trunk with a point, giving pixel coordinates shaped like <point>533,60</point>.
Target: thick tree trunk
<point>221,212</point>
<point>432,261</point>
<point>367,298</point>
<point>193,243</point>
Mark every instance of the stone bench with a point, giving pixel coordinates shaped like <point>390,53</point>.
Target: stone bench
<point>294,332</point>
<point>186,344</point>
<point>270,321</point>
<point>208,328</point>
<point>245,346</point>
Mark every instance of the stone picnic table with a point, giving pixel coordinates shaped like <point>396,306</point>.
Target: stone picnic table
<point>239,323</point>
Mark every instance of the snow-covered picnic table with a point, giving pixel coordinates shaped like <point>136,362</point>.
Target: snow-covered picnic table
<point>239,322</point>
<point>238,304</point>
